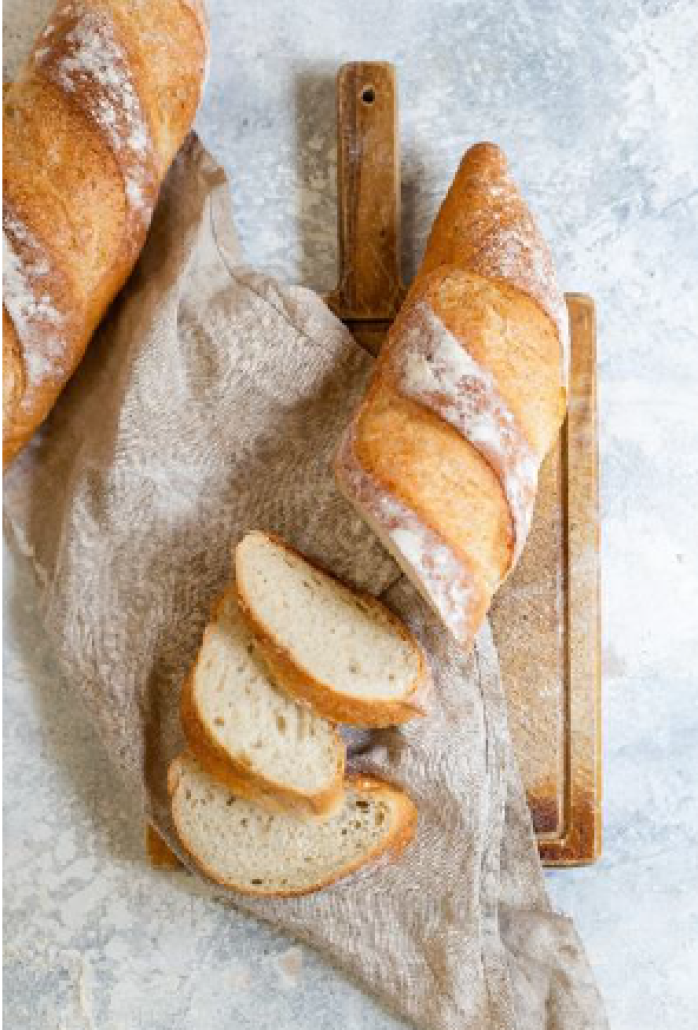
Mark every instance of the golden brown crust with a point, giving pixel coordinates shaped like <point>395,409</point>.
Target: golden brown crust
<point>507,333</point>
<point>90,128</point>
<point>244,781</point>
<point>392,846</point>
<point>485,226</point>
<point>418,457</point>
<point>13,377</point>
<point>158,853</point>
<point>422,460</point>
<point>453,574</point>
<point>322,697</point>
<point>466,396</point>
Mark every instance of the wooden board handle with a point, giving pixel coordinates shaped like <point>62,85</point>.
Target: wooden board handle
<point>368,186</point>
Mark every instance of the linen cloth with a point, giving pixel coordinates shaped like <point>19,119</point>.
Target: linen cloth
<point>210,403</point>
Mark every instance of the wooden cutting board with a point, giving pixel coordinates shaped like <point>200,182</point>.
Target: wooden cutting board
<point>546,616</point>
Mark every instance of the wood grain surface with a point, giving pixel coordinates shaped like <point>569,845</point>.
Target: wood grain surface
<point>546,622</point>
<point>546,616</point>
<point>370,291</point>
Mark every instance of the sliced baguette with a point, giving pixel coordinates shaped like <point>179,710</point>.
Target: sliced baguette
<point>259,742</point>
<point>241,846</point>
<point>342,652</point>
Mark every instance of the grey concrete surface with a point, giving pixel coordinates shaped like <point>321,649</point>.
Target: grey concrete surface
<point>595,104</point>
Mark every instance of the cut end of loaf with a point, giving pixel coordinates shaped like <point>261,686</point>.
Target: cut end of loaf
<point>342,652</point>
<point>240,846</point>
<point>251,736</point>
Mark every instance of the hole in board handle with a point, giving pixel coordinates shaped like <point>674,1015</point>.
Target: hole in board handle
<point>368,94</point>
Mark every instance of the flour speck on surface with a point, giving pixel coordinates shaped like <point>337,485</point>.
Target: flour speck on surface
<point>436,370</point>
<point>96,66</point>
<point>38,322</point>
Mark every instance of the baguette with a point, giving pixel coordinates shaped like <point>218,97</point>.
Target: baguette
<point>257,741</point>
<point>466,399</point>
<point>90,128</point>
<point>240,846</point>
<point>341,652</point>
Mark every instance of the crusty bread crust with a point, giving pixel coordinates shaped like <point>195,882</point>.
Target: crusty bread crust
<point>90,128</point>
<point>389,848</point>
<point>466,399</point>
<point>297,681</point>
<point>158,852</point>
<point>246,782</point>
<point>482,215</point>
<point>452,578</point>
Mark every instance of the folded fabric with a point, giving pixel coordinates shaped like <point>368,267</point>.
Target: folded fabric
<point>211,403</point>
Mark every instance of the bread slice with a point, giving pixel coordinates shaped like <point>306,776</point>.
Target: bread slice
<point>258,741</point>
<point>241,846</point>
<point>343,652</point>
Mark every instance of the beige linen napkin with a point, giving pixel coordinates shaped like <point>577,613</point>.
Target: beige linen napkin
<point>211,403</point>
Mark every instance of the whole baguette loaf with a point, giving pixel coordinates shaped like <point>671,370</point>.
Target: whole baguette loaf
<point>91,126</point>
<point>466,399</point>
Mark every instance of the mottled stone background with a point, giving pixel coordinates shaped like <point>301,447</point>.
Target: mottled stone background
<point>596,104</point>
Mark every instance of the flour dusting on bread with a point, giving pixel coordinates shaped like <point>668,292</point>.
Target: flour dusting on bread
<point>485,226</point>
<point>435,369</point>
<point>92,64</point>
<point>439,573</point>
<point>29,302</point>
<point>515,250</point>
<point>519,259</point>
<point>455,509</point>
<point>518,253</point>
<point>92,123</point>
